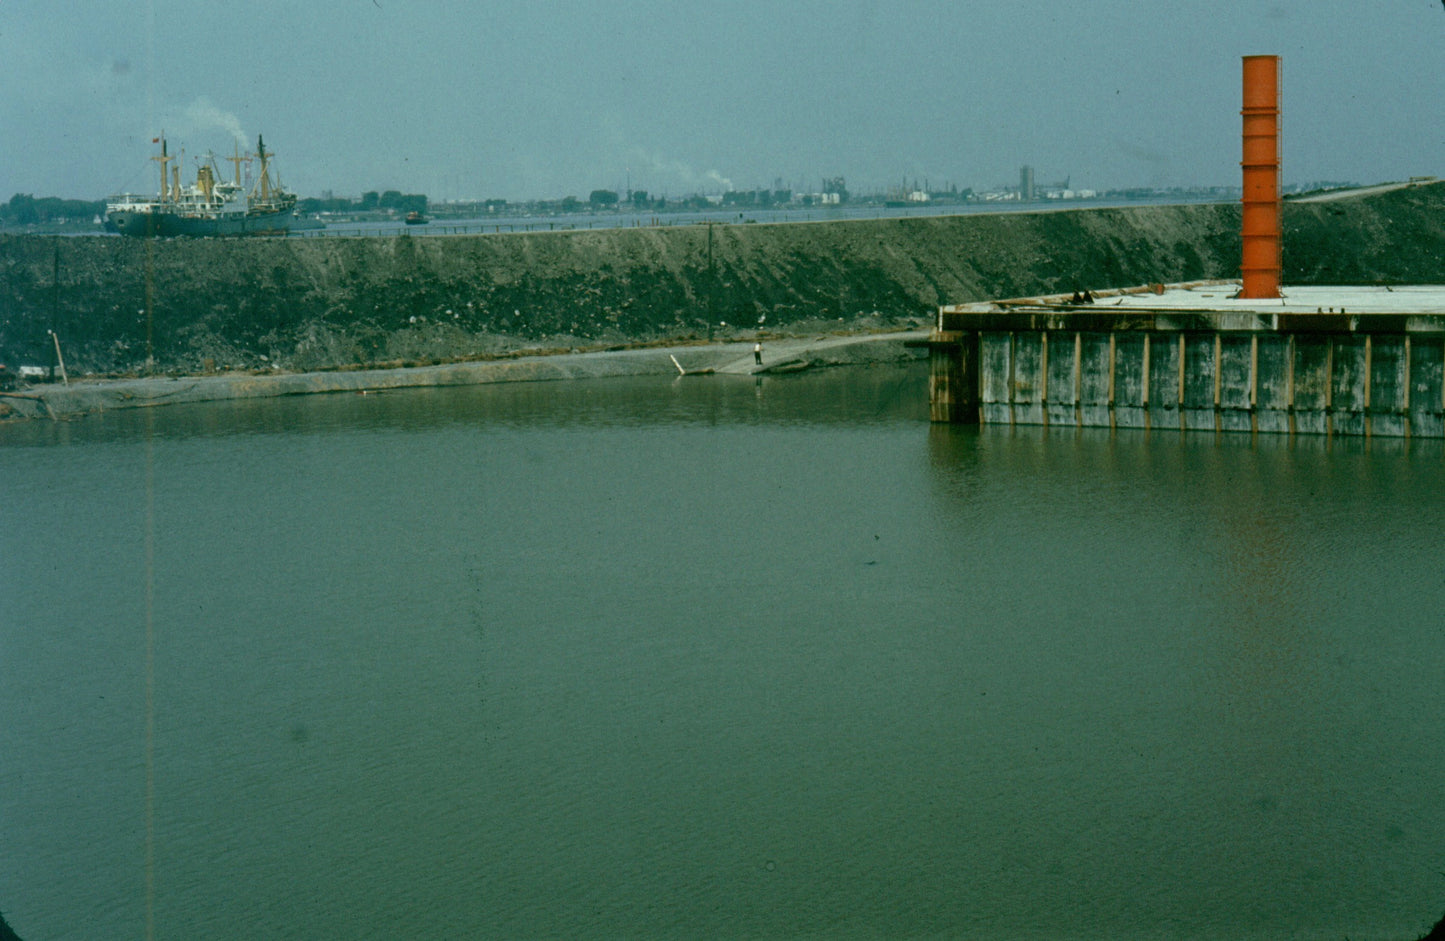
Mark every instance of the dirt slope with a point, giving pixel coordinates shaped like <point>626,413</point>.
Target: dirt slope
<point>327,302</point>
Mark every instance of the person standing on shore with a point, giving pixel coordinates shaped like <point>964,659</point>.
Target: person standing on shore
<point>758,352</point>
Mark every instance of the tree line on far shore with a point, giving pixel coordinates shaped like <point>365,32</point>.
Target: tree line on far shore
<point>24,209</point>
<point>372,201</point>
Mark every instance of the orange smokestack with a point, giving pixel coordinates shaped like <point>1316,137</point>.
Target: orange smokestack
<point>1260,266</point>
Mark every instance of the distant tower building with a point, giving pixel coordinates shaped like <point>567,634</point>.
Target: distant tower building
<point>1026,183</point>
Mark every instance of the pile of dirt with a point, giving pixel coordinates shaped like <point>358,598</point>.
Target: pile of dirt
<point>192,306</point>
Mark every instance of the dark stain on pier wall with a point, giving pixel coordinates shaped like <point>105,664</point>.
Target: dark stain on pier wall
<point>333,302</point>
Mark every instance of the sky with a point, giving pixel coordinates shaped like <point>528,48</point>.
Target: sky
<point>540,99</point>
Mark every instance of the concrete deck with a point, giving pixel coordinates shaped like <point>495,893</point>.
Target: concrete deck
<point>1220,296</point>
<point>1213,305</point>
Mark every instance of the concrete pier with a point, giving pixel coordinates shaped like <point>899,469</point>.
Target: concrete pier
<point>1320,360</point>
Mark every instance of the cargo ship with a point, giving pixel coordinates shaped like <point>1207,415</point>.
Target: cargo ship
<point>210,205</point>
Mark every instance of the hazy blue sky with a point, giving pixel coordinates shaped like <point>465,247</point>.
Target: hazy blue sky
<point>461,98</point>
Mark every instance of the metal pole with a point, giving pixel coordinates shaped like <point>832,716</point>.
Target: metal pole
<point>58,358</point>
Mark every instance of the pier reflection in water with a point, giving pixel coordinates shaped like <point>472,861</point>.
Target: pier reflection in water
<point>714,658</point>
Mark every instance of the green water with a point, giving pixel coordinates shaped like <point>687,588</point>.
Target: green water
<point>710,658</point>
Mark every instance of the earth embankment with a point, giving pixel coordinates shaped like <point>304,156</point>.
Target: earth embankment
<point>188,306</point>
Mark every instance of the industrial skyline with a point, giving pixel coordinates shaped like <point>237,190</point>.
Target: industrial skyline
<point>526,101</point>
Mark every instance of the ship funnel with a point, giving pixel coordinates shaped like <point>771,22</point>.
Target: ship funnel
<point>1260,265</point>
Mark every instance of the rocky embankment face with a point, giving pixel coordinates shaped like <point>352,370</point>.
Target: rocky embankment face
<point>318,303</point>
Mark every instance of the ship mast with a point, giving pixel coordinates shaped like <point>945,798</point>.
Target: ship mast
<point>265,176</point>
<point>163,160</point>
<point>236,160</point>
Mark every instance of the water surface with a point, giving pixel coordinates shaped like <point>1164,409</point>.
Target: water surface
<point>713,658</point>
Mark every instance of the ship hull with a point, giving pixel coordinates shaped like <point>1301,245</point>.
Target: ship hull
<point>168,225</point>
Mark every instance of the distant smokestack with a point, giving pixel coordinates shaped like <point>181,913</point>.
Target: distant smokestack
<point>1260,266</point>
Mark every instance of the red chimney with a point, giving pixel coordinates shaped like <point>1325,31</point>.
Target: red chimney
<point>1260,266</point>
